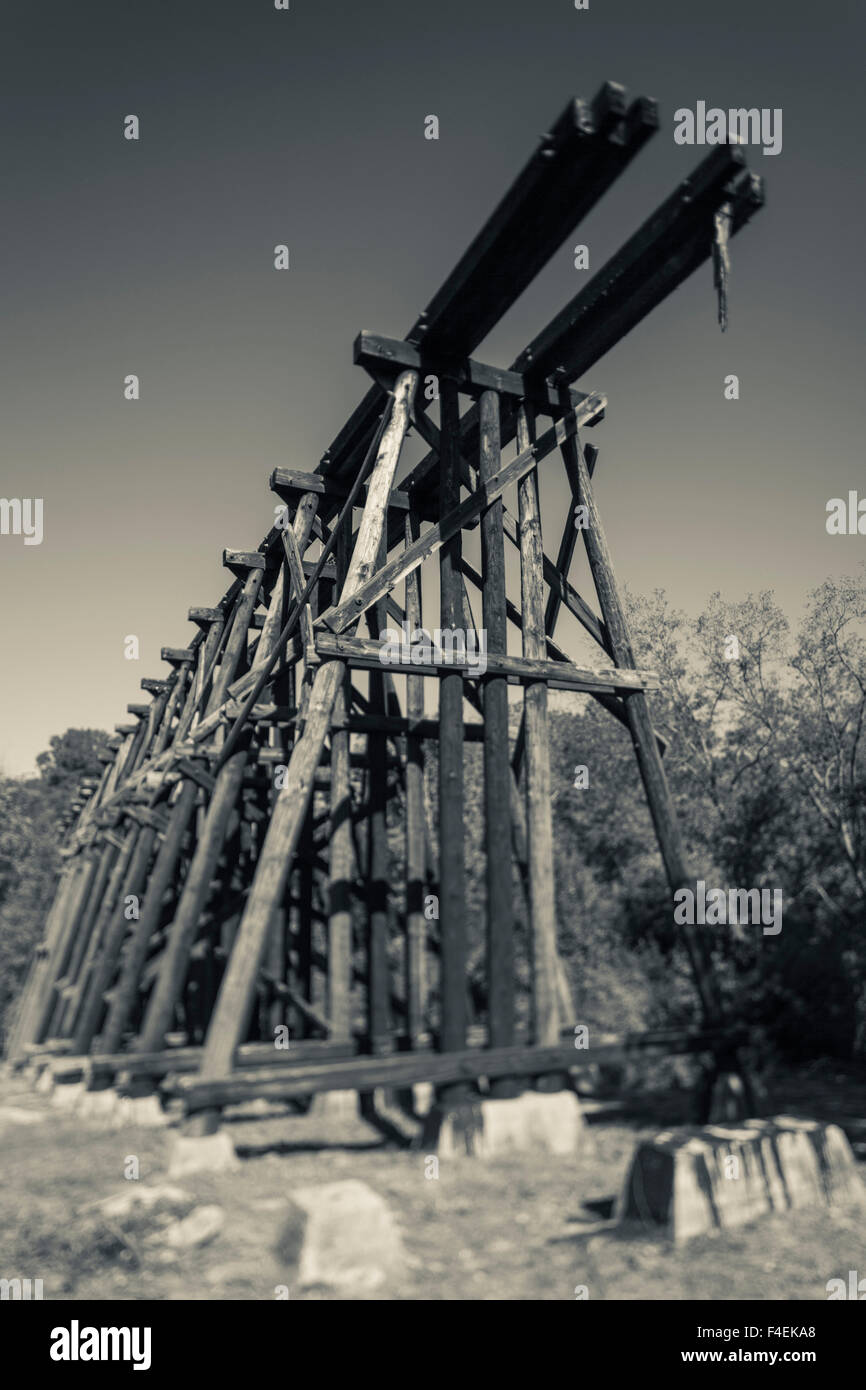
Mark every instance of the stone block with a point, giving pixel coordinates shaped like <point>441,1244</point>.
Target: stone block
<point>546,1122</point>
<point>341,1236</point>
<point>694,1181</point>
<point>206,1153</point>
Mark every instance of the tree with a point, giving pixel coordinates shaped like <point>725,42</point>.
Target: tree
<point>32,814</point>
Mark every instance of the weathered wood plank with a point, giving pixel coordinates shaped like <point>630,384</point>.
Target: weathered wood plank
<point>372,350</point>
<point>341,857</point>
<point>289,482</point>
<point>416,931</point>
<point>377,876</point>
<point>404,1069</point>
<point>562,674</point>
<point>663,252</point>
<point>452,850</point>
<point>539,818</point>
<point>497,812</point>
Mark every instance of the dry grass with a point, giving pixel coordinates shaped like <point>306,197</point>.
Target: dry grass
<point>482,1231</point>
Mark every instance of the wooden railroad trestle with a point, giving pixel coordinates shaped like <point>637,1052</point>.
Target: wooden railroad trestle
<point>246,808</point>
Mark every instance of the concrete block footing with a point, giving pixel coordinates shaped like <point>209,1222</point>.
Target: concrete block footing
<point>67,1097</point>
<point>98,1105</point>
<point>144,1112</point>
<point>533,1122</point>
<point>201,1153</point>
<point>695,1181</point>
<point>334,1105</point>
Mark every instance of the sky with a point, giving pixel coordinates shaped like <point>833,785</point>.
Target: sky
<point>306,127</point>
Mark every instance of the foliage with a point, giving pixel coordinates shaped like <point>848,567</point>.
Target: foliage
<point>32,812</point>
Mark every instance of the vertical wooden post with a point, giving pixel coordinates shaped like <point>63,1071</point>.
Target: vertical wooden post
<point>416,930</point>
<point>341,853</point>
<point>497,790</point>
<point>378,978</point>
<point>304,921</point>
<point>539,819</point>
<point>452,886</point>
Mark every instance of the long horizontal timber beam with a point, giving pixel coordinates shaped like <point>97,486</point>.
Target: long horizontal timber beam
<point>366,1073</point>
<point>342,615</point>
<point>663,252</point>
<point>378,354</point>
<point>577,161</point>
<point>561,675</point>
<point>585,151</point>
<point>290,483</point>
<point>669,246</point>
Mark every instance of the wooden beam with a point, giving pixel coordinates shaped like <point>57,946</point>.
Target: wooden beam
<point>377,886</point>
<point>416,856</point>
<point>341,856</point>
<point>576,162</point>
<point>579,158</point>
<point>452,848</point>
<point>497,813</point>
<point>663,252</point>
<point>539,815</point>
<point>289,482</point>
<point>375,352</point>
<point>669,246</point>
<point>404,1069</point>
<point>453,521</point>
<point>561,675</point>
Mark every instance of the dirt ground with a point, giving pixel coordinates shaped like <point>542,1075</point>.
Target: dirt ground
<point>509,1229</point>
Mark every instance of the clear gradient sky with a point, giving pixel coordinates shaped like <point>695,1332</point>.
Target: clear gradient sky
<point>306,127</point>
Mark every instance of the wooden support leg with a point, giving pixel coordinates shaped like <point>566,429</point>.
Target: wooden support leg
<point>40,973</point>
<point>83,944</point>
<point>379,983</point>
<point>109,929</point>
<point>161,1006</point>
<point>232,1013</point>
<point>75,905</point>
<point>226,791</point>
<point>539,821</point>
<point>416,931</point>
<point>341,856</point>
<point>640,723</point>
<point>304,922</point>
<point>161,875</point>
<point>452,885</point>
<point>497,814</point>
